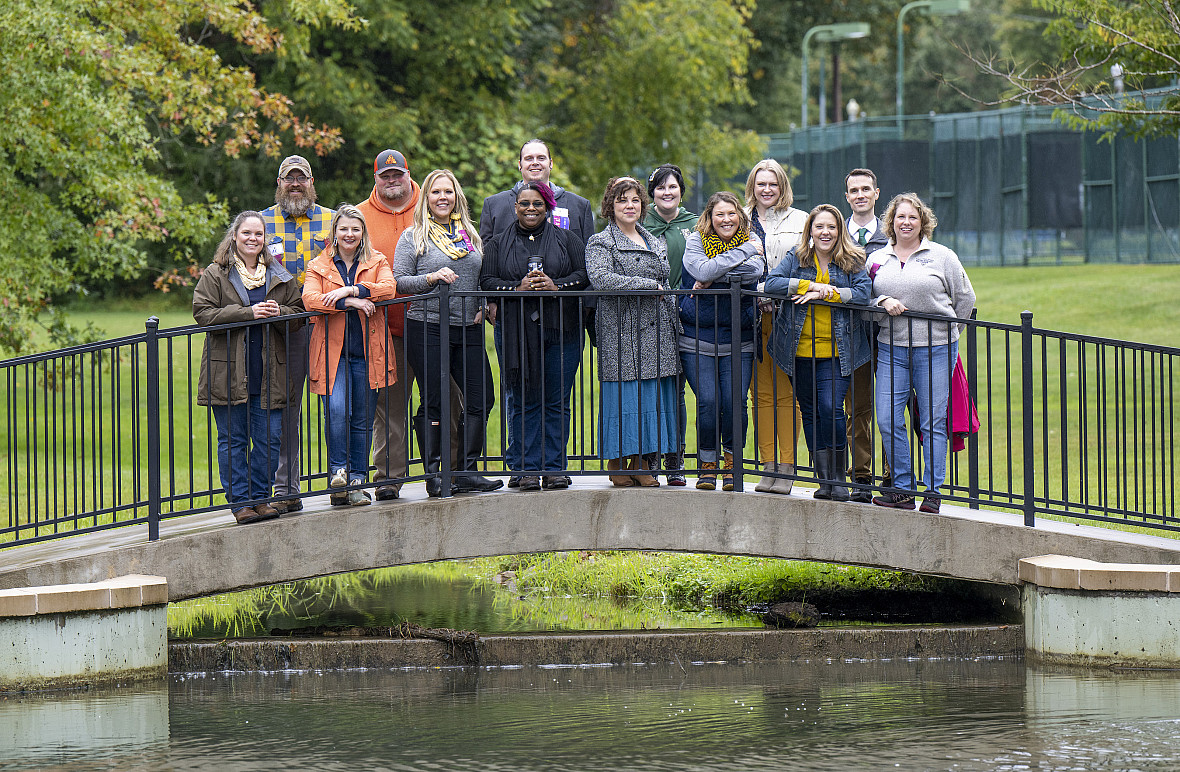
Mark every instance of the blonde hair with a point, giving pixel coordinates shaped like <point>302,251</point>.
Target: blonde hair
<point>227,249</point>
<point>365,250</point>
<point>846,253</point>
<point>705,221</point>
<point>925,214</point>
<point>786,196</point>
<point>422,211</point>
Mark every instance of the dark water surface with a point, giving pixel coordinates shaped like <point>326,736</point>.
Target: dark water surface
<point>909,715</point>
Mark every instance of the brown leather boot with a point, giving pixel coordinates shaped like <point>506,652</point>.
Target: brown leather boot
<point>618,480</point>
<point>636,463</point>
<point>727,479</point>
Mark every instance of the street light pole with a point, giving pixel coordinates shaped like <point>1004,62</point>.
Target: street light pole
<point>826,33</point>
<point>934,8</point>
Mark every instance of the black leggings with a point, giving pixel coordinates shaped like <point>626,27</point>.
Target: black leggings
<point>469,368</point>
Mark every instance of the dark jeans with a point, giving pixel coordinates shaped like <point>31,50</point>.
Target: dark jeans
<point>470,369</point>
<point>246,471</point>
<point>349,410</point>
<point>820,389</point>
<point>711,379</point>
<point>540,416</point>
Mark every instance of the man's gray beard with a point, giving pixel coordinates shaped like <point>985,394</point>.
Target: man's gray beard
<point>295,205</point>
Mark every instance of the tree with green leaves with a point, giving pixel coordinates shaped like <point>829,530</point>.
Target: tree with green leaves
<point>90,88</point>
<point>1105,48</point>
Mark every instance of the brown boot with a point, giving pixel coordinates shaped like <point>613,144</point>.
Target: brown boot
<point>707,479</point>
<point>727,479</point>
<point>644,480</point>
<point>618,480</point>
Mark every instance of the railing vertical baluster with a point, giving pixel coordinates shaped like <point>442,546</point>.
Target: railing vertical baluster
<point>444,385</point>
<point>737,395</point>
<point>153,428</point>
<point>1026,400</point>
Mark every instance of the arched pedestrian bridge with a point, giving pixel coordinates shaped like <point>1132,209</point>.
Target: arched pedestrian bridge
<point>205,554</point>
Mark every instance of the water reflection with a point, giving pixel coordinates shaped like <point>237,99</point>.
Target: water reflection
<point>990,715</point>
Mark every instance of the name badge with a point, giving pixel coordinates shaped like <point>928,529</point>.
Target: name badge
<point>561,217</point>
<point>275,249</point>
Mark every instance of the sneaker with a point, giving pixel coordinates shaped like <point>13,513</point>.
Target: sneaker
<point>894,501</point>
<point>358,498</point>
<point>339,479</point>
<point>930,504</point>
<point>388,492</point>
<point>556,482</point>
<point>530,483</point>
<point>674,468</point>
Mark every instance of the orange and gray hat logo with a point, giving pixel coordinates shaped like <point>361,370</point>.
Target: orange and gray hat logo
<point>390,159</point>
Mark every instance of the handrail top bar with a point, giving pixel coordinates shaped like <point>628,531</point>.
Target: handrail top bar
<point>82,348</point>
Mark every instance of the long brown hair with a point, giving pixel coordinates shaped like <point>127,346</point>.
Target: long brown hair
<point>846,254</point>
<point>226,250</point>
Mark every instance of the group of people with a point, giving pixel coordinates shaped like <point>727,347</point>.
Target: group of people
<point>665,320</point>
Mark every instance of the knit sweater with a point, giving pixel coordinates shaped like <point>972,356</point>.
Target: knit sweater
<point>410,270</point>
<point>932,281</point>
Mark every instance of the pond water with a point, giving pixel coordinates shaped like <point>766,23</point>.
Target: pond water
<point>909,715</point>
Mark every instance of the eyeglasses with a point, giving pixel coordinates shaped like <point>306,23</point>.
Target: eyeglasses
<point>530,204</point>
<point>296,180</point>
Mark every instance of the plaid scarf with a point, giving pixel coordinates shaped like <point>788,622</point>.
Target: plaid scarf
<point>453,241</point>
<point>715,246</point>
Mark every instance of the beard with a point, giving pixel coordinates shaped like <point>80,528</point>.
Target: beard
<point>295,203</point>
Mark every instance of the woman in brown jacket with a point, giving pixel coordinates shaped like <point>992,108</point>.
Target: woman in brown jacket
<point>244,368</point>
<point>351,353</point>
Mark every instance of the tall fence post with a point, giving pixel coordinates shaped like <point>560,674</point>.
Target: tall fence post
<point>444,376</point>
<point>737,395</point>
<point>1026,401</point>
<point>153,427</point>
<point>973,396</point>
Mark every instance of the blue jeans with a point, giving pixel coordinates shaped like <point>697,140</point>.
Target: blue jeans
<point>711,379</point>
<point>820,389</point>
<point>539,418</point>
<point>349,410</point>
<point>511,407</point>
<point>246,472</point>
<point>925,371</point>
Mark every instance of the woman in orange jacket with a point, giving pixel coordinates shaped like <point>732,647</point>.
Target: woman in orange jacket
<point>351,353</point>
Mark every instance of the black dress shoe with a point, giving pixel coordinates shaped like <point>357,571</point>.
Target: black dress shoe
<point>474,483</point>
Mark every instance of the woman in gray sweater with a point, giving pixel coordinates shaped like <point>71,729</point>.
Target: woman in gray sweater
<point>916,356</point>
<point>442,246</point>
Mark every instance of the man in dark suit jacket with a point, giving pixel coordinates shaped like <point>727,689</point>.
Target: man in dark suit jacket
<point>861,192</point>
<point>572,212</point>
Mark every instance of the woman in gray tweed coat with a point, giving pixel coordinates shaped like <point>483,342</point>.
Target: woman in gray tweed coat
<point>637,334</point>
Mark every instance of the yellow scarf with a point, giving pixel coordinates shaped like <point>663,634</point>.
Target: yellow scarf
<point>251,280</point>
<point>453,246</point>
<point>715,246</point>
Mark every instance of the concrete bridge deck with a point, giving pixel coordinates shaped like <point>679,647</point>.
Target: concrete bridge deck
<point>208,553</point>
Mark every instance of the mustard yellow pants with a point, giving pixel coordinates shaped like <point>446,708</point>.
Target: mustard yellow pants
<point>776,414</point>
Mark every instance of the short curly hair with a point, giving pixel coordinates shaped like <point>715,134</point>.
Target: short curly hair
<point>925,214</point>
<point>614,191</point>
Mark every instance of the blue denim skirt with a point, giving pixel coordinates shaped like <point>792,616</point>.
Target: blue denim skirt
<point>639,417</point>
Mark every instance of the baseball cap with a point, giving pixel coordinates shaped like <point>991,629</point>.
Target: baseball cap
<point>390,159</point>
<point>294,162</point>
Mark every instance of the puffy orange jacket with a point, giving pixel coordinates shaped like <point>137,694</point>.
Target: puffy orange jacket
<point>327,332</point>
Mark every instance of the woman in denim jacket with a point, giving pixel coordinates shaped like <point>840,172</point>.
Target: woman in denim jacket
<point>818,346</point>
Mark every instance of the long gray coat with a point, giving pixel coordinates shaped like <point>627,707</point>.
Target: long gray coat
<point>636,335</point>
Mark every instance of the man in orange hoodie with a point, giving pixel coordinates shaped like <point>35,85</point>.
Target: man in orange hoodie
<point>388,211</point>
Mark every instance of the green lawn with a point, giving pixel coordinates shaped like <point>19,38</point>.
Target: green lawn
<point>52,468</point>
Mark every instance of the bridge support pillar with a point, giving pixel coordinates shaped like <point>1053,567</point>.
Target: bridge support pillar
<point>70,635</point>
<point>1082,612</point>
